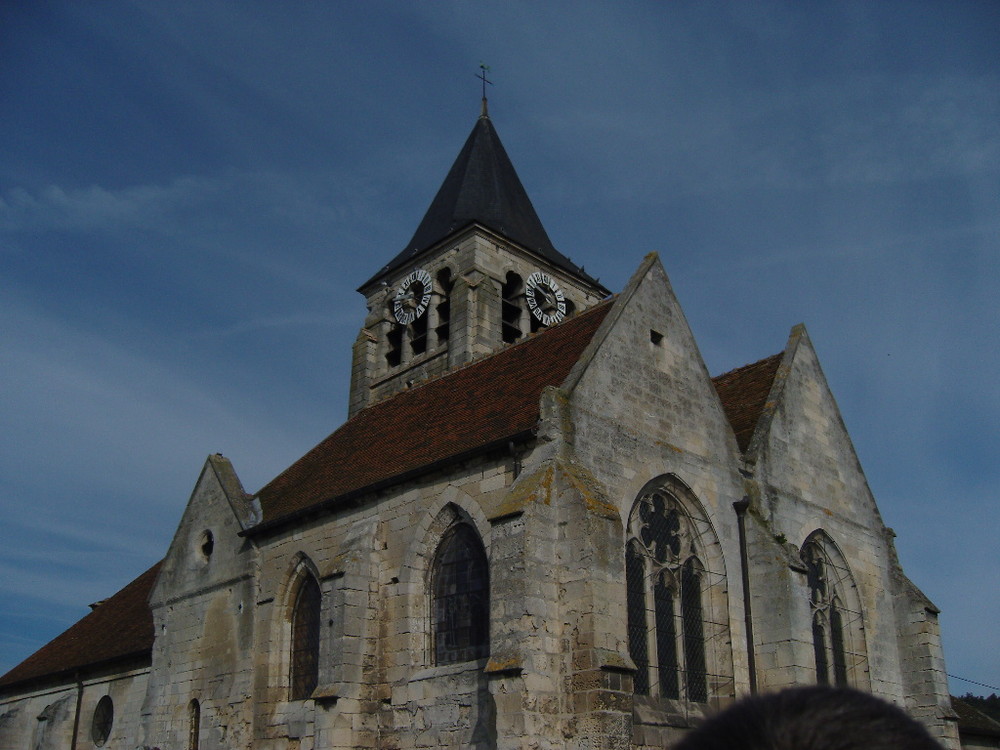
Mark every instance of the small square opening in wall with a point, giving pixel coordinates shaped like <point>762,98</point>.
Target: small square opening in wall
<point>656,337</point>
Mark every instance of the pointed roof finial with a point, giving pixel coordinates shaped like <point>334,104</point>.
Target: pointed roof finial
<point>483,70</point>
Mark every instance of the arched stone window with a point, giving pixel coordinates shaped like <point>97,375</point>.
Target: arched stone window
<point>837,624</point>
<point>460,597</point>
<point>305,639</point>
<point>104,719</point>
<point>194,724</point>
<point>678,647</point>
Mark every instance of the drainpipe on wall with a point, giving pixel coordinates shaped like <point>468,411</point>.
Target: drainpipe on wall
<point>740,506</point>
<point>79,704</point>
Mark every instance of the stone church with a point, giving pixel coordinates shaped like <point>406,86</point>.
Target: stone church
<point>543,525</point>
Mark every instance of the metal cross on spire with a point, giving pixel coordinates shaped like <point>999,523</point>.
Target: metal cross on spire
<point>483,70</point>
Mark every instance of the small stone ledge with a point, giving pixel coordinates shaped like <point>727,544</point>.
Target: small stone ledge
<point>503,517</point>
<point>504,665</point>
<point>612,661</point>
<point>666,712</point>
<point>431,673</point>
<point>328,693</point>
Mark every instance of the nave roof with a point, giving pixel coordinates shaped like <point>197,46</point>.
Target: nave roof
<point>480,406</point>
<point>119,628</point>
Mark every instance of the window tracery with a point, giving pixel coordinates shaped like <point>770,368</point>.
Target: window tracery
<point>103,721</point>
<point>671,636</point>
<point>837,632</point>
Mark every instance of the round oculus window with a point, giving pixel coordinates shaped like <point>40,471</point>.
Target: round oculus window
<point>104,719</point>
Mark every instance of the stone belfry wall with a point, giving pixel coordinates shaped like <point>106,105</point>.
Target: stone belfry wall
<point>478,302</point>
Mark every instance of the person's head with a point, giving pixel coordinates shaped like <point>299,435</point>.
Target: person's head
<point>810,718</point>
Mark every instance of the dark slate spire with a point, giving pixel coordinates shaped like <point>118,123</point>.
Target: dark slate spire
<point>482,187</point>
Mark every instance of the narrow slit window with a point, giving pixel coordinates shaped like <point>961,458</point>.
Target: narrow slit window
<point>394,355</point>
<point>418,335</point>
<point>443,330</point>
<point>511,308</point>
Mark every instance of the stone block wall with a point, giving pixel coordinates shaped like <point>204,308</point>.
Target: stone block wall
<point>44,719</point>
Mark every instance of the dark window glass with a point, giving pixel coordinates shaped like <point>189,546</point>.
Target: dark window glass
<point>305,640</point>
<point>635,586</point>
<point>104,719</point>
<point>418,341</point>
<point>443,329</point>
<point>837,646</point>
<point>461,605</point>
<point>694,633</point>
<point>395,353</point>
<point>194,730</point>
<point>819,648</point>
<point>666,640</point>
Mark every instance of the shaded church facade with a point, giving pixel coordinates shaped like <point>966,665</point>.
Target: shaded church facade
<point>544,525</point>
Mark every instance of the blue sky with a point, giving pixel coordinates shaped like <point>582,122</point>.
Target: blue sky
<point>190,192</point>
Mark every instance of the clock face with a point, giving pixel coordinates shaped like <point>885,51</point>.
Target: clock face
<point>412,297</point>
<point>545,299</point>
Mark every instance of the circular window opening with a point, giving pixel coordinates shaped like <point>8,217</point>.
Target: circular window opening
<point>206,544</point>
<point>104,718</point>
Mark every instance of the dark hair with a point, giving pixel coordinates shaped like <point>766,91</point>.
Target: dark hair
<point>810,718</point>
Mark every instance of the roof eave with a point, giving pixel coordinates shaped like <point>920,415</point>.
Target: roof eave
<point>357,495</point>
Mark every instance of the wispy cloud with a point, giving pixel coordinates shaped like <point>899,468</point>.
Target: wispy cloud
<point>96,207</point>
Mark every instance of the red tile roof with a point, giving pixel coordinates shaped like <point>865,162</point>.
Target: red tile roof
<point>743,392</point>
<point>120,628</point>
<point>485,403</point>
<point>491,400</point>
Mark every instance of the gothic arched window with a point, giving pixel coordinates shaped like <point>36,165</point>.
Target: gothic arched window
<point>460,602</point>
<point>666,588</point>
<point>837,635</point>
<point>305,639</point>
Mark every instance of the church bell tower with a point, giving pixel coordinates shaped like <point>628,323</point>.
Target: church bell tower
<point>479,273</point>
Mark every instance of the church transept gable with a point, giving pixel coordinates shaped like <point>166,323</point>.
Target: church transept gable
<point>802,447</point>
<point>207,547</point>
<point>647,358</point>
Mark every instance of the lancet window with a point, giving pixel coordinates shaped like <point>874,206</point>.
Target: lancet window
<point>443,308</point>
<point>837,634</point>
<point>305,639</point>
<point>512,308</point>
<point>460,606</point>
<point>674,641</point>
